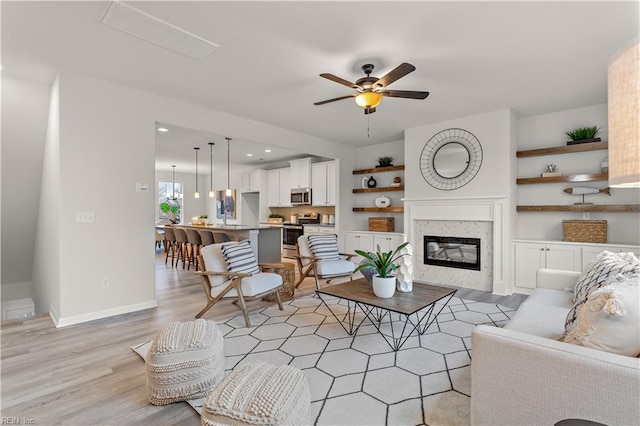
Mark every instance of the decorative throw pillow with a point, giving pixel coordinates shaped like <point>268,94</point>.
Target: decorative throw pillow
<point>324,247</point>
<point>604,268</point>
<point>240,257</point>
<point>610,319</point>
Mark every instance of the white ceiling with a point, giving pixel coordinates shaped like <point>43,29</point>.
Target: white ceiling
<point>473,57</point>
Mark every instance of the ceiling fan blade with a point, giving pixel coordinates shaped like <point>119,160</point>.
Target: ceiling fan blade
<point>395,74</point>
<point>353,95</point>
<point>409,94</point>
<point>339,80</point>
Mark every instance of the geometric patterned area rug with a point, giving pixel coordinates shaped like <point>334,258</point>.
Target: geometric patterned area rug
<point>360,380</point>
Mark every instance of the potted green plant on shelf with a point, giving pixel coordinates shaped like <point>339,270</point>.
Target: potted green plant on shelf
<point>384,284</point>
<point>384,161</point>
<point>583,135</point>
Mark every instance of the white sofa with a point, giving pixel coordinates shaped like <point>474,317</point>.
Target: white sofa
<point>521,375</point>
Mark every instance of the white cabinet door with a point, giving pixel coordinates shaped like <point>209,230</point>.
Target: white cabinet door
<point>589,252</point>
<point>332,183</point>
<point>300,173</point>
<point>311,230</point>
<point>355,241</point>
<point>319,184</point>
<point>255,180</point>
<point>327,230</point>
<point>273,188</point>
<point>529,257</point>
<point>563,257</point>
<point>387,242</point>
<point>245,185</point>
<point>285,188</point>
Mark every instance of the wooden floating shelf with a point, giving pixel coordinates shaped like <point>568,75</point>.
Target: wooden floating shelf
<point>379,209</point>
<point>582,147</point>
<point>586,177</point>
<point>379,169</point>
<point>380,189</point>
<point>611,208</point>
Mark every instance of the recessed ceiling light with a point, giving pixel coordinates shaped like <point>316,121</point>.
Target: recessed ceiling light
<point>163,129</point>
<point>249,155</point>
<point>267,150</point>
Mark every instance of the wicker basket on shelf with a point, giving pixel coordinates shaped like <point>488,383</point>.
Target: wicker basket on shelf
<point>585,231</point>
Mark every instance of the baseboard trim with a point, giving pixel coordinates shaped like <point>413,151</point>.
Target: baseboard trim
<point>105,313</point>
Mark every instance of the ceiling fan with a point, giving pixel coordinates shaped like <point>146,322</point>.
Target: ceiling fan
<point>371,90</point>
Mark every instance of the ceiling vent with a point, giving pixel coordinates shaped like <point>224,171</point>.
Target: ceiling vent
<point>154,30</point>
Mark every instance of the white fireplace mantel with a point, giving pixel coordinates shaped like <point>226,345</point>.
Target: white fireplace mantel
<point>480,209</point>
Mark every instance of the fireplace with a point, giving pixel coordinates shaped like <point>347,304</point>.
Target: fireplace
<point>452,252</point>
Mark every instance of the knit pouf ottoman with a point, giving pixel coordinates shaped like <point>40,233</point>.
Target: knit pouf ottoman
<point>259,394</point>
<point>185,361</point>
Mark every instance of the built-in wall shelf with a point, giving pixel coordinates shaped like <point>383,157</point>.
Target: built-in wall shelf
<point>379,169</point>
<point>608,208</point>
<point>584,177</point>
<point>379,209</point>
<point>569,149</point>
<point>379,189</point>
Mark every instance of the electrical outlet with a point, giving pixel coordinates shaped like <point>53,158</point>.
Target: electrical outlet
<point>106,282</point>
<point>585,215</point>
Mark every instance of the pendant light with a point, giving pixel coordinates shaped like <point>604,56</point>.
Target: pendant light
<point>196,194</point>
<point>173,184</point>
<point>211,191</point>
<point>228,191</point>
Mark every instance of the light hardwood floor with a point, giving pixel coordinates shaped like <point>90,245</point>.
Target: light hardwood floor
<point>87,374</point>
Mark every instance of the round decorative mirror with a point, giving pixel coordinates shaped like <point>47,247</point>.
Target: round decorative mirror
<point>450,159</point>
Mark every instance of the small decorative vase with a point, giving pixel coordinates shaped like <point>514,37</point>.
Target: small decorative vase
<point>383,202</point>
<point>371,183</point>
<point>405,270</point>
<point>604,166</point>
<point>368,272</point>
<point>384,287</point>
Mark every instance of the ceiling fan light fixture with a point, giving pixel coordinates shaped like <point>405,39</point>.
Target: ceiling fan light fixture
<point>368,99</point>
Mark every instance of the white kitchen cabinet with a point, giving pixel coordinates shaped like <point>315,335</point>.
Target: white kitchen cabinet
<point>324,183</point>
<point>531,256</point>
<point>591,251</point>
<point>300,173</point>
<point>319,230</point>
<point>278,188</point>
<point>387,242</point>
<point>252,181</point>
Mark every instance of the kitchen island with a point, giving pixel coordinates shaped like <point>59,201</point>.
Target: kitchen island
<point>265,240</point>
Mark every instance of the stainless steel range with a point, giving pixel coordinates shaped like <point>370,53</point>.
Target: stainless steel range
<point>291,232</point>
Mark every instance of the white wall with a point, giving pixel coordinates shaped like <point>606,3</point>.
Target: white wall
<point>107,135</point>
<point>492,129</point>
<point>24,128</point>
<point>367,157</point>
<point>548,130</point>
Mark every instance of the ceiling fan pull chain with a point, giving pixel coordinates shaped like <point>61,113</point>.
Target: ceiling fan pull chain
<point>368,126</point>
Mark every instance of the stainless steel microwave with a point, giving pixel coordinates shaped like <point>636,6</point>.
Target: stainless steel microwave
<point>300,196</point>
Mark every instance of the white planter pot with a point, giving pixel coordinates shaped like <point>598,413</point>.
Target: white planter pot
<point>384,287</point>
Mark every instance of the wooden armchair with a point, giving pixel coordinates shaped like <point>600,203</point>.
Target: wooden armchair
<point>310,265</point>
<point>219,283</point>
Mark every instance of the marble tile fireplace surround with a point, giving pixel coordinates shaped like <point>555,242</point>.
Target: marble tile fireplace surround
<point>481,218</point>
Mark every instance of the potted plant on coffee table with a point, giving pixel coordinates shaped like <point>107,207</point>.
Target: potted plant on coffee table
<point>384,284</point>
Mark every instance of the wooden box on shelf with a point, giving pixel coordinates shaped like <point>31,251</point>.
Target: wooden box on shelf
<point>585,231</point>
<point>381,224</point>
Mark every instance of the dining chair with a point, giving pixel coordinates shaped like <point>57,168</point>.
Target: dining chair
<point>194,244</point>
<point>182,246</point>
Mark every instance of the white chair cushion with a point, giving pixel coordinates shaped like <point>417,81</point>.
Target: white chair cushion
<point>545,296</point>
<point>334,267</point>
<point>539,320</point>
<point>324,247</point>
<point>240,257</point>
<point>255,284</point>
<point>214,262</point>
<point>610,319</point>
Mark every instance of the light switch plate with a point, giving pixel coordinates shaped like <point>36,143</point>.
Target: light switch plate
<point>85,217</point>
<point>142,187</point>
